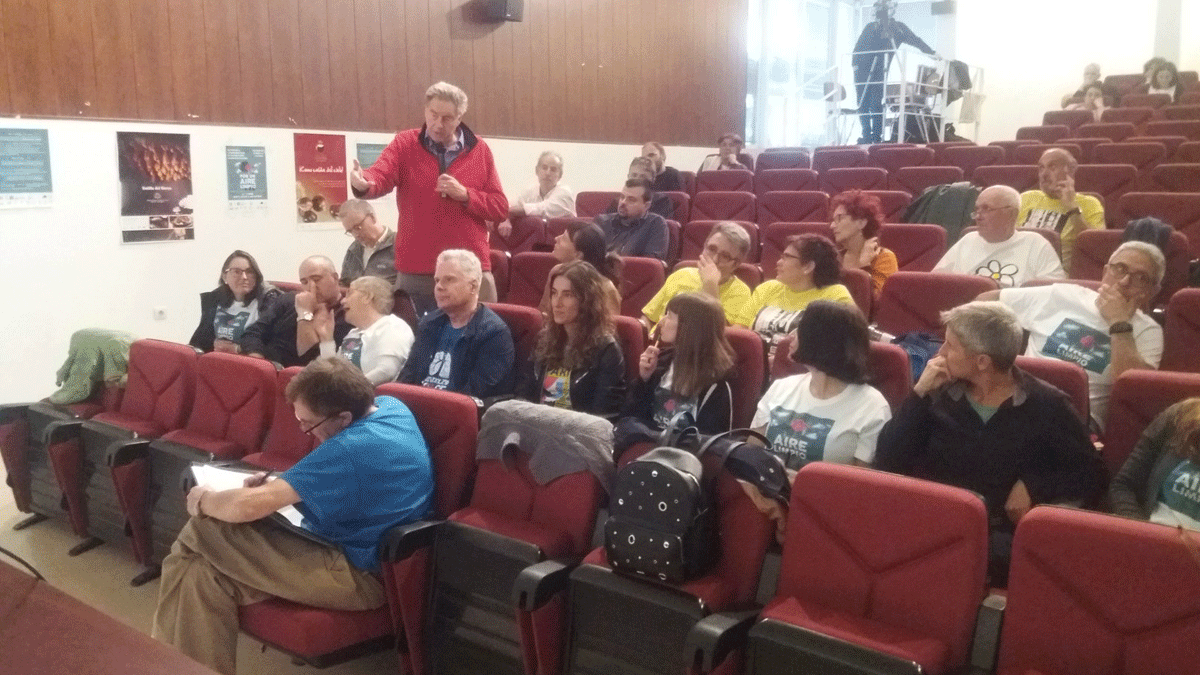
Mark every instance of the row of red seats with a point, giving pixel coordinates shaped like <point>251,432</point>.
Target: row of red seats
<point>1128,83</point>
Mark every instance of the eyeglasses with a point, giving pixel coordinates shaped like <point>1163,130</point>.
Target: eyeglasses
<point>985,209</point>
<point>356,228</point>
<point>308,431</point>
<point>240,272</point>
<point>719,255</point>
<point>793,256</point>
<point>1136,277</point>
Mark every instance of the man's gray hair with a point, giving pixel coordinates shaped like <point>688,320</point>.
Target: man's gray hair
<point>550,153</point>
<point>378,290</point>
<point>361,207</point>
<point>1152,252</point>
<point>466,262</point>
<point>734,234</point>
<point>448,92</point>
<point>989,328</point>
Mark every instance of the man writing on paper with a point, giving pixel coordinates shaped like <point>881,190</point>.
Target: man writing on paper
<point>371,471</point>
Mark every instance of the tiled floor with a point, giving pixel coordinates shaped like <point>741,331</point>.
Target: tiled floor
<point>101,577</point>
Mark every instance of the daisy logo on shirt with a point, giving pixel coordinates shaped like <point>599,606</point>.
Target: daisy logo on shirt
<point>1082,345</point>
<point>798,438</point>
<point>1004,274</point>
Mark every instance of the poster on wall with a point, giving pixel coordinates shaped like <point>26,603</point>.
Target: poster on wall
<point>246,172</point>
<point>320,180</point>
<point>368,153</point>
<point>25,168</point>
<point>156,187</point>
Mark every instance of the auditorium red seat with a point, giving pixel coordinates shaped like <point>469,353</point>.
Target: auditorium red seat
<point>556,226</point>
<point>913,301</point>
<point>1171,143</point>
<point>723,206</point>
<point>751,369</point>
<point>894,203</point>
<point>1116,131</point>
<point>1071,119</point>
<point>939,150</point>
<point>915,179</point>
<point>846,577</point>
<point>1010,146</point>
<point>918,247</point>
<point>787,180</point>
<point>694,234</point>
<point>1189,80</point>
<point>1094,247</point>
<point>1043,134</point>
<point>1138,117</point>
<point>835,181</point>
<point>1190,98</point>
<point>858,282</point>
<point>527,232</point>
<point>847,157</point>
<point>726,180</point>
<point>1020,177</point>
<point>1181,334</point>
<point>774,241</point>
<point>1110,181</point>
<point>1175,178</point>
<point>1086,145</point>
<point>1137,397</point>
<point>1143,155</point>
<point>631,335</point>
<point>286,442</point>
<point>1135,100</point>
<point>673,235</point>
<point>747,272</point>
<point>682,203</point>
<point>525,323</point>
<point>1075,608</point>
<point>782,159</point>
<point>689,179</point>
<point>1067,377</point>
<point>501,260</point>
<point>1123,84</point>
<point>967,157</point>
<point>527,278</point>
<point>1032,153</point>
<point>1187,151</point>
<point>893,158</point>
<point>792,207</point>
<point>591,204</point>
<point>1180,210</point>
<point>1187,128</point>
<point>641,279</point>
<point>889,370</point>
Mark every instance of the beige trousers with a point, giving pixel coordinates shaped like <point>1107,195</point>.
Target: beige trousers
<point>214,567</point>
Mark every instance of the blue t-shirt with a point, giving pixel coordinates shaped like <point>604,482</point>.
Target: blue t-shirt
<point>439,367</point>
<point>373,475</point>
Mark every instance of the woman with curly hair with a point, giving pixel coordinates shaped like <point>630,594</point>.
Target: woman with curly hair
<point>578,363</point>
<point>1160,481</point>
<point>855,218</point>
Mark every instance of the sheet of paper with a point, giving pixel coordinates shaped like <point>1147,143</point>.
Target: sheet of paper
<point>220,478</point>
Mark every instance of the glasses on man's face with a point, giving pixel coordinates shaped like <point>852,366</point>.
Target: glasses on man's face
<point>308,431</point>
<point>1136,277</point>
<point>356,228</point>
<point>240,272</point>
<point>985,209</point>
<point>719,255</point>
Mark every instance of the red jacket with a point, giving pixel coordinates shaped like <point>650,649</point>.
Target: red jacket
<point>429,223</point>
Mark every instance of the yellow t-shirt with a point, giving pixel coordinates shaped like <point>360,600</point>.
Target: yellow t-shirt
<point>734,294</point>
<point>1041,211</point>
<point>786,303</point>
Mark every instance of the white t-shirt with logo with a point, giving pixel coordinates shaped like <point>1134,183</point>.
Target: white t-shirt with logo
<point>1179,498</point>
<point>1064,324</point>
<point>1010,263</point>
<point>230,322</point>
<point>803,428</point>
<point>381,350</point>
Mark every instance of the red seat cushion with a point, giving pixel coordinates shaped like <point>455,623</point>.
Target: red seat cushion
<point>219,448</point>
<point>552,544</point>
<point>310,631</point>
<point>142,427</point>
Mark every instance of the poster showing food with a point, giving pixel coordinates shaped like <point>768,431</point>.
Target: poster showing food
<point>156,187</point>
<point>25,180</point>
<point>320,179</point>
<point>246,174</point>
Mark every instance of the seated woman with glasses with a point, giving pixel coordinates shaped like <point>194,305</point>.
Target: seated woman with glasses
<point>856,218</point>
<point>1158,481</point>
<point>231,307</point>
<point>715,275</point>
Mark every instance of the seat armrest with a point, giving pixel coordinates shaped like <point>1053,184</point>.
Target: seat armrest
<point>715,636</point>
<point>181,450</point>
<point>62,430</point>
<point>11,412</point>
<point>402,541</point>
<point>539,582</point>
<point>985,646</point>
<point>124,451</point>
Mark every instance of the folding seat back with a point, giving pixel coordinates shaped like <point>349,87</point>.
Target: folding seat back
<point>1011,146</point>
<point>1137,116</point>
<point>1109,180</point>
<point>1141,154</point>
<point>894,203</point>
<point>556,226</point>
<point>631,335</point>
<point>524,323</point>
<point>968,157</point>
<point>751,370</point>
<point>1043,134</point>
<point>913,301</point>
<point>1072,119</point>
<point>1092,253</point>
<point>501,260</point>
<point>527,277</point>
<point>1190,98</point>
<point>1134,100</point>
<point>785,180</point>
<point>1076,608</point>
<point>792,207</point>
<point>674,230</point>
<point>1182,210</point>
<point>1067,377</point>
<point>1187,128</point>
<point>887,364</point>
<point>847,157</point>
<point>695,234</point>
<point>845,573</point>
<point>861,288</point>
<point>1123,84</point>
<point>689,179</point>
<point>725,180</point>
<point>681,202</point>
<point>286,441</point>
<point>782,159</point>
<point>158,391</point>
<point>592,204</point>
<point>1137,397</point>
<point>835,181</point>
<point>915,179</point>
<point>723,206</point>
<point>1186,151</point>
<point>1032,153</point>
<point>939,150</point>
<point>1175,178</point>
<point>527,232</point>
<point>775,238</point>
<point>641,280</point>
<point>918,246</point>
<point>1181,333</point>
<point>892,159</point>
<point>1086,145</point>
<point>1114,131</point>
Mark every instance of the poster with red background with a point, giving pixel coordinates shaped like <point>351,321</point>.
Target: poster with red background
<point>320,179</point>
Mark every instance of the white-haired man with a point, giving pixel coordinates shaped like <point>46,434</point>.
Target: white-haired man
<point>549,197</point>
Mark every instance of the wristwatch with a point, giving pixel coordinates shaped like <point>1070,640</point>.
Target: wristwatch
<point>304,316</point>
<point>1120,327</point>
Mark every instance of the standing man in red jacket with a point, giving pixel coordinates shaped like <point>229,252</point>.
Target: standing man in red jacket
<point>447,190</point>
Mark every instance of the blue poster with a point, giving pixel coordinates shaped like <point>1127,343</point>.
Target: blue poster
<point>246,168</point>
<point>25,168</point>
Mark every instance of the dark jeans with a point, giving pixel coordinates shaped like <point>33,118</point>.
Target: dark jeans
<point>870,105</point>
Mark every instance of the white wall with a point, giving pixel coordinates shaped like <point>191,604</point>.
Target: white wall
<point>66,268</point>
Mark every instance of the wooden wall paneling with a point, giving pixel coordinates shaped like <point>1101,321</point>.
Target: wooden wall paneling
<point>314,65</point>
<point>573,64</point>
<point>595,109</point>
<point>563,65</point>
<point>31,65</point>
<point>254,53</point>
<point>617,72</point>
<point>602,91</point>
<point>507,72</point>
<point>222,52</point>
<point>287,73</point>
<point>492,54</point>
<point>414,37</point>
<point>739,11</point>
<point>112,36</point>
<point>440,67</point>
<point>151,50</point>
<point>640,71</point>
<point>74,57</point>
<point>462,59</point>
<point>188,62</point>
<point>393,66</point>
<point>537,87</point>
<point>368,45</point>
<point>346,104</point>
<point>5,69</point>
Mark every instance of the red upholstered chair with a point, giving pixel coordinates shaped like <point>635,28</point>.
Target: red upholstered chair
<point>402,305</point>
<point>1011,146</point>
<point>1072,119</point>
<point>1049,235</point>
<point>725,180</point>
<point>1076,606</point>
<point>892,159</point>
<point>1186,151</point>
<point>939,150</point>
<point>1135,100</point>
<point>1187,128</point>
<point>918,246</point>
<point>286,441</point>
<point>846,157</point>
<point>631,335</point>
<point>913,301</point>
<point>287,286</point>
<point>1181,334</point>
<point>749,273</point>
<point>1020,177</point>
<point>1086,145</point>
<point>641,279</point>
<point>696,233</point>
<point>835,181</point>
<point>1093,250</point>
<point>915,179</point>
<point>1123,84</point>
<point>723,206</point>
<point>592,204</point>
<point>323,637</point>
<point>527,277</point>
<point>501,261</point>
<point>1068,377</point>
<point>1116,131</point>
<point>860,571</point>
<point>785,180</point>
<point>682,203</point>
<point>894,202</point>
<point>1137,397</point>
<point>1144,155</point>
<point>1175,178</point>
<point>674,230</point>
<point>689,179</point>
<point>524,323</point>
<point>887,363</point>
<point>968,157</point>
<point>858,282</point>
<point>527,232</point>
<point>1043,134</point>
<point>1137,116</point>
<point>556,226</point>
<point>782,159</point>
<point>792,207</point>
<point>1182,210</point>
<point>1190,98</point>
<point>1110,181</point>
<point>1032,153</point>
<point>751,372</point>
<point>774,241</point>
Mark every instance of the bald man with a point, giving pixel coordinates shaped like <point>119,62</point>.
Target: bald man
<point>1055,206</point>
<point>996,249</point>
<point>287,329</point>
